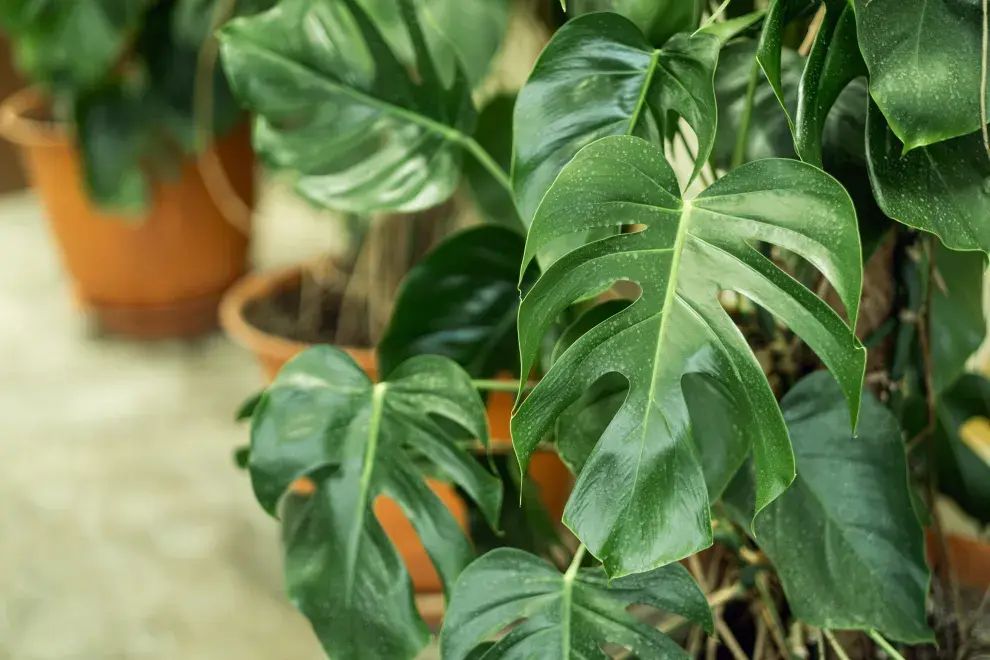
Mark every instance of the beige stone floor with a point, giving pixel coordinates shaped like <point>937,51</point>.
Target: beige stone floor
<point>125,530</point>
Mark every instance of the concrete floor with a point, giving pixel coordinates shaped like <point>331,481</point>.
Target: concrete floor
<point>125,530</point>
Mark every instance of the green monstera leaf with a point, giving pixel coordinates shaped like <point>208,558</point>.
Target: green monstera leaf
<point>605,56</point>
<point>659,20</point>
<point>564,616</point>
<point>641,500</point>
<point>336,105</point>
<point>460,302</point>
<point>844,537</point>
<point>324,419</point>
<point>924,60</point>
<point>941,188</point>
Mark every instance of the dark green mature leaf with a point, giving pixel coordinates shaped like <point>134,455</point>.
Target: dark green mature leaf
<point>334,104</point>
<point>834,61</point>
<point>324,418</point>
<point>379,620</point>
<point>957,326</point>
<point>641,500</point>
<point>580,426</point>
<point>962,475</point>
<point>458,32</point>
<point>844,537</point>
<point>114,137</point>
<point>769,135</point>
<point>565,617</point>
<point>924,60</point>
<point>599,76</point>
<point>659,20</point>
<point>70,44</point>
<point>941,188</point>
<point>460,302</point>
<point>494,134</point>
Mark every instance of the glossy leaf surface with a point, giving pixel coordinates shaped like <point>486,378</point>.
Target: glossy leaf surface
<point>336,105</point>
<point>924,61</point>
<point>844,537</point>
<point>379,619</point>
<point>834,61</point>
<point>941,188</point>
<point>771,46</point>
<point>962,474</point>
<point>599,76</point>
<point>641,500</point>
<point>460,301</point>
<point>659,20</point>
<point>564,616</point>
<point>324,419</point>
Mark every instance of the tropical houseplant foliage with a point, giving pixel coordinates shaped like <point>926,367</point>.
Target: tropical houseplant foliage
<point>697,358</point>
<point>124,73</point>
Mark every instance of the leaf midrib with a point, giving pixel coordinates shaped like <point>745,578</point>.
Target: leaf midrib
<point>668,301</point>
<point>448,133</point>
<point>370,448</point>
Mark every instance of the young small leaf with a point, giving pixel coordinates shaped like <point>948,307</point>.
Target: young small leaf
<point>641,500</point>
<point>844,537</point>
<point>565,617</point>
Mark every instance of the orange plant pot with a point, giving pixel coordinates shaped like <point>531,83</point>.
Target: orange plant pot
<point>968,557</point>
<point>159,276</point>
<point>272,352</point>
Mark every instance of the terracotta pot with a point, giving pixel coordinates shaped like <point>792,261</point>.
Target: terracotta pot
<point>154,277</point>
<point>969,558</point>
<point>273,351</point>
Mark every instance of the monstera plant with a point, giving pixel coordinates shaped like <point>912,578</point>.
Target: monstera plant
<point>748,243</point>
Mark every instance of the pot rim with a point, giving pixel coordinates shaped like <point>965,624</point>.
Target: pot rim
<point>256,285</point>
<point>18,128</point>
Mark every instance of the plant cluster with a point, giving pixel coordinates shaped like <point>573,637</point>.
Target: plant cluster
<point>124,74</point>
<point>699,357</point>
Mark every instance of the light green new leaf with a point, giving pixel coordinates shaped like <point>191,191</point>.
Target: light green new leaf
<point>324,418</point>
<point>564,617</point>
<point>941,188</point>
<point>962,474</point>
<point>844,537</point>
<point>659,20</point>
<point>924,60</point>
<point>460,301</point>
<point>641,500</point>
<point>599,76</point>
<point>334,104</point>
<point>956,325</point>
